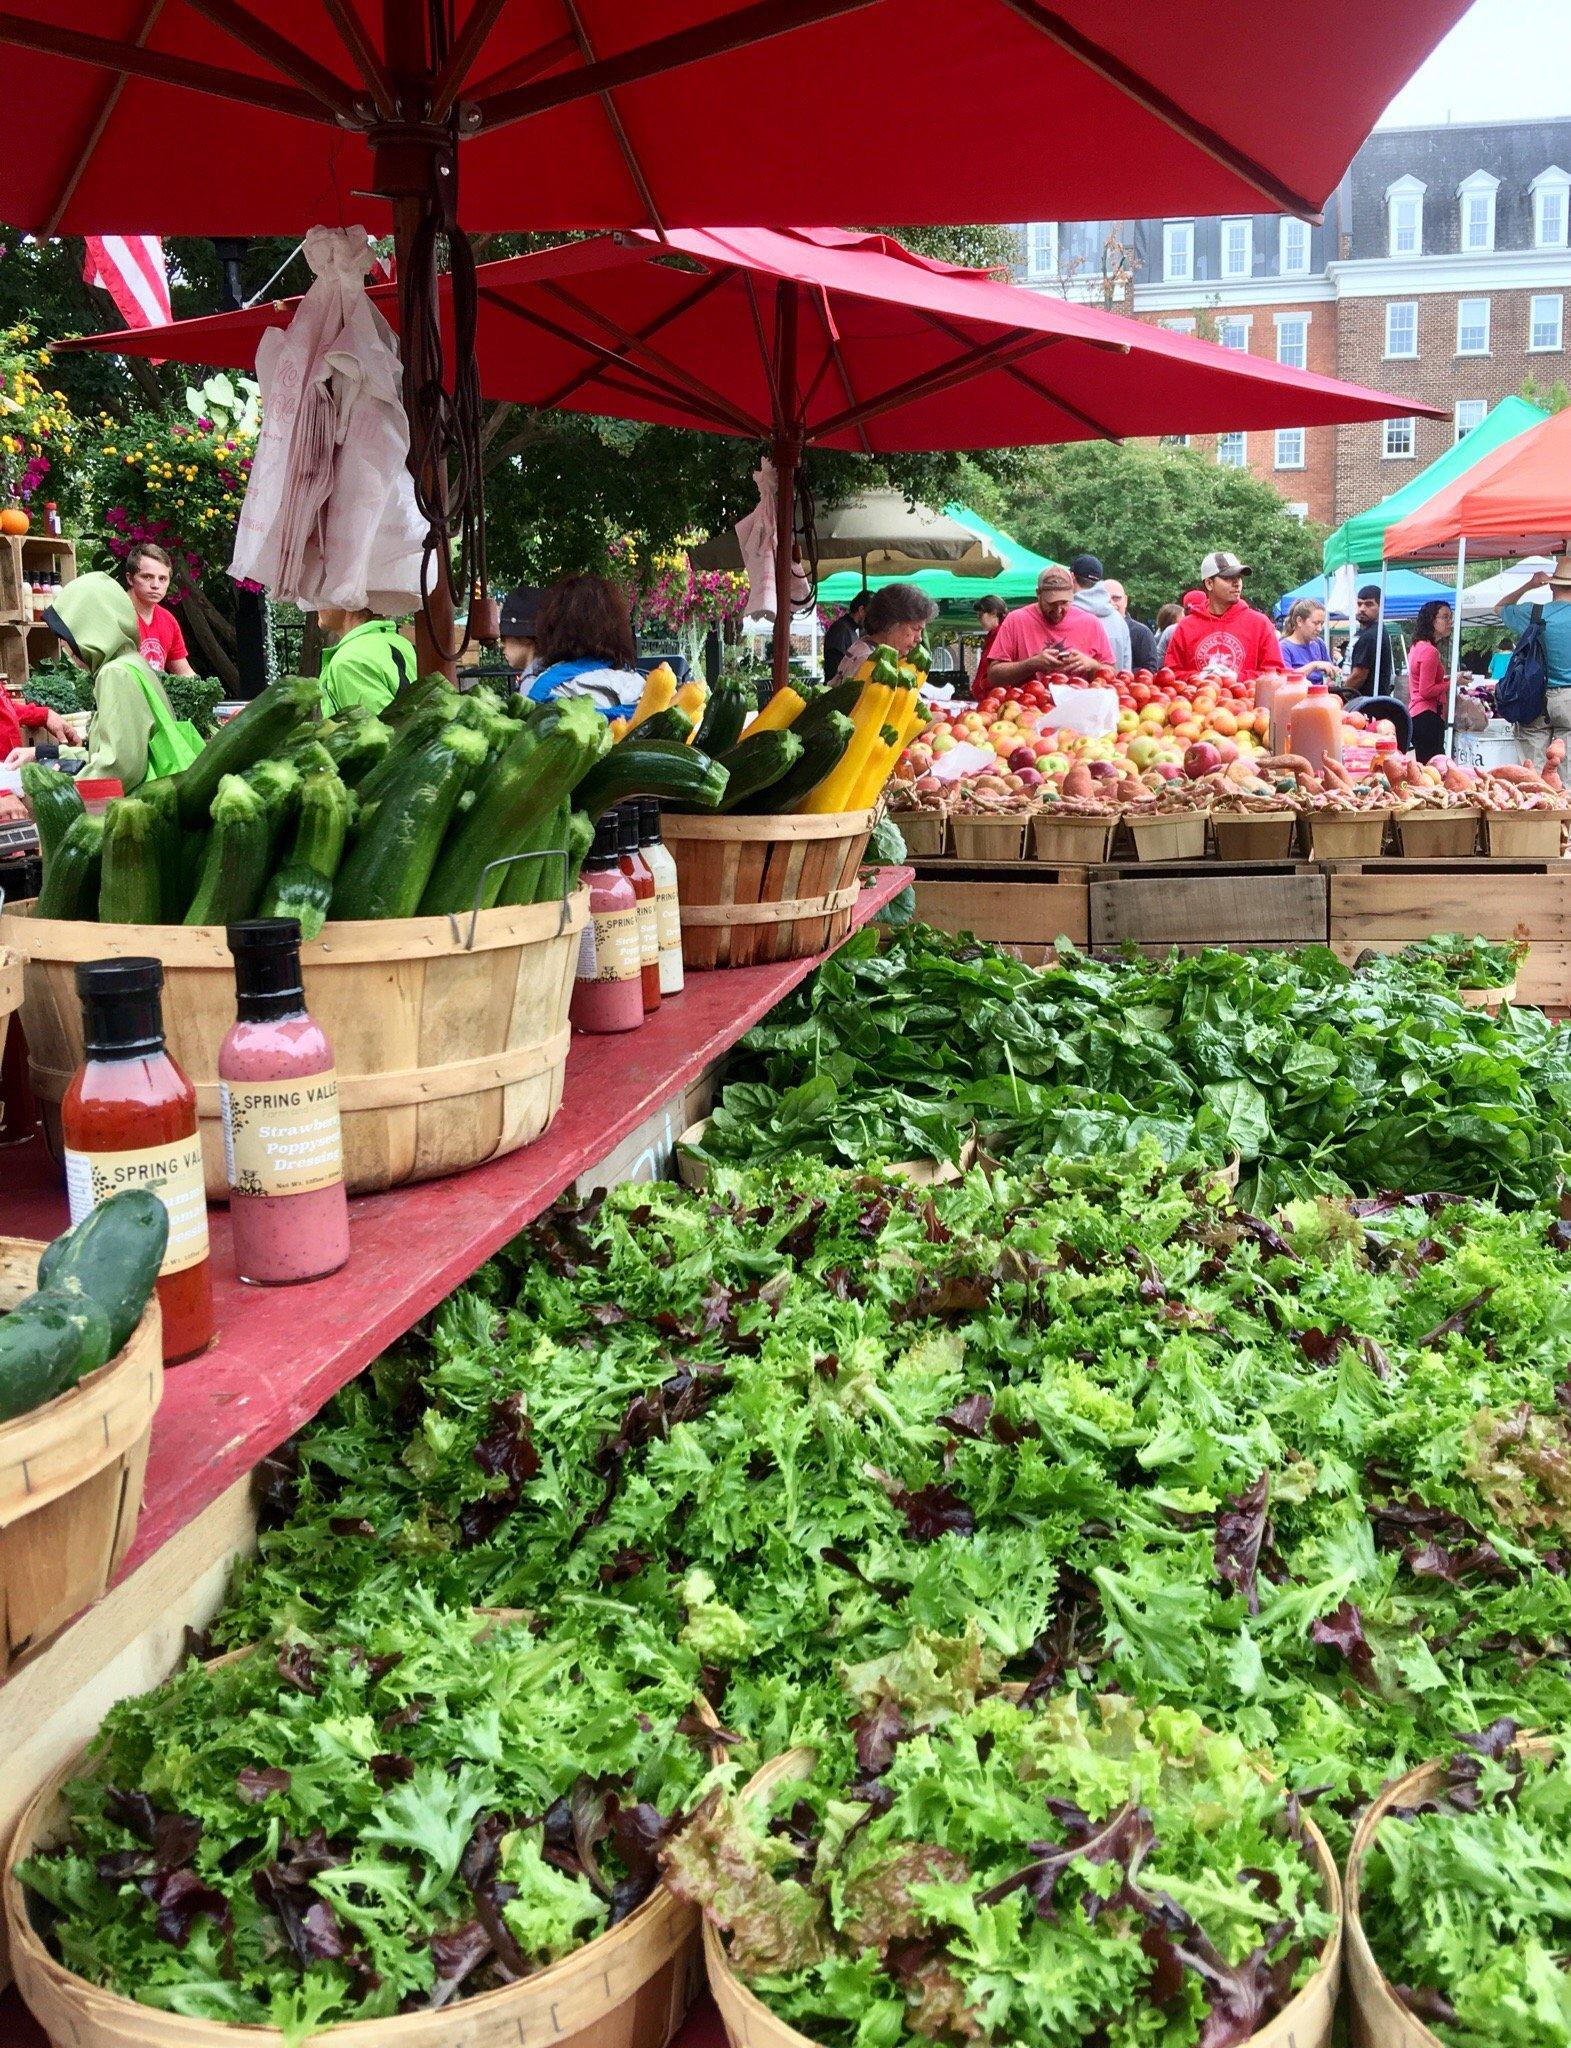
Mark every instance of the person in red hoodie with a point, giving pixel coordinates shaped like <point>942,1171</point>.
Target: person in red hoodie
<point>1218,626</point>
<point>15,716</point>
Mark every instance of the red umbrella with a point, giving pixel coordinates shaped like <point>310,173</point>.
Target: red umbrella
<point>818,337</point>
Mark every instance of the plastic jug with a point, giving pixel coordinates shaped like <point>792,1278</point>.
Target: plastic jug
<point>1266,687</point>
<point>1314,726</point>
<point>1289,691</point>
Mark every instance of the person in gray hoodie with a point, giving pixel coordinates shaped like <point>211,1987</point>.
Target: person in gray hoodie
<point>1091,595</point>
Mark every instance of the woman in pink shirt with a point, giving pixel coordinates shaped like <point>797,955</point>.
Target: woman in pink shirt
<point>1426,679</point>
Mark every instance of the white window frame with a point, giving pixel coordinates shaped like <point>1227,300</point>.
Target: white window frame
<point>1535,347</point>
<point>1401,355</point>
<point>1289,230</point>
<point>1400,194</point>
<point>1178,238</point>
<point>1479,189</point>
<point>1223,441</point>
<point>1034,268</point>
<point>1556,183</point>
<point>1408,430</point>
<point>1461,431</point>
<point>1289,461</point>
<point>1294,324</point>
<point>1226,323</point>
<point>1228,224</point>
<point>1297,509</point>
<point>1182,326</point>
<point>1464,326</point>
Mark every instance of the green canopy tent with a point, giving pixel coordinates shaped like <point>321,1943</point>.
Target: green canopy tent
<point>1361,539</point>
<point>1016,584</point>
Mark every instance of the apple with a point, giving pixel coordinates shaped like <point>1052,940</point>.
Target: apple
<point>1201,759</point>
<point>1022,757</point>
<point>1103,771</point>
<point>1142,752</point>
<point>1169,771</point>
<point>1030,778</point>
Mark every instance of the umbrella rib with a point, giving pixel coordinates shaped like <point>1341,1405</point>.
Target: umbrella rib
<point>765,354</point>
<point>96,131</point>
<point>461,57</point>
<point>525,69</point>
<point>747,26</point>
<point>264,42</point>
<point>647,332</point>
<point>160,66</point>
<point>821,299</point>
<point>362,54</point>
<point>1024,376</point>
<point>614,122</point>
<point>675,373</point>
<point>986,355</point>
<point>1166,109</point>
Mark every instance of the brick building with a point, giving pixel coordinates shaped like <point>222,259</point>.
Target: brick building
<point>1441,271</point>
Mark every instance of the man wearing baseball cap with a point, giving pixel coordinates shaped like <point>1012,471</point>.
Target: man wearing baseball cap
<point>519,610</point>
<point>1518,614</point>
<point>1048,638</point>
<point>1218,627</point>
<point>1093,595</point>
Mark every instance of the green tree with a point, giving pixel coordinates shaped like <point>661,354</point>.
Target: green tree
<point>1553,397</point>
<point>1152,513</point>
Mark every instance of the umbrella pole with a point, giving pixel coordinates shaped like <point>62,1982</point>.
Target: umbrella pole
<point>434,623</point>
<point>1456,646</point>
<point>786,453</point>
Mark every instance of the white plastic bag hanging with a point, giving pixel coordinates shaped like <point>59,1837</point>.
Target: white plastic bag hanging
<point>756,532</point>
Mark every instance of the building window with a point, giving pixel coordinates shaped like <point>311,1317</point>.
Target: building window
<point>1233,333</point>
<point>1546,321</point>
<point>1398,441</point>
<point>1297,510</point>
<point>1178,251</point>
<point>1238,247</point>
<point>1477,196</point>
<point>1293,248</point>
<point>1405,217</point>
<point>1042,248</point>
<point>1402,327</point>
<point>1184,326</point>
<point>1232,450</point>
<point>1175,440</point>
<point>1472,327</point>
<point>1289,447</point>
<point>1470,413</point>
<point>1551,191</point>
<point>1292,340</point>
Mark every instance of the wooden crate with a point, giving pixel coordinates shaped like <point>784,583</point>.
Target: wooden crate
<point>22,554</point>
<point>1263,903</point>
<point>1399,902</point>
<point>1026,914</point>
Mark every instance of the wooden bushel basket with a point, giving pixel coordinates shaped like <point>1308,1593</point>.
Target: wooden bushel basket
<point>767,888</point>
<point>982,838</point>
<point>1437,834</point>
<point>70,1477</point>
<point>1253,835</point>
<point>1170,836</point>
<point>926,833</point>
<point>447,1053</point>
<point>1345,835</point>
<point>1377,2017</point>
<point>1069,840</point>
<point>1305,2022</point>
<point>1524,835</point>
<point>10,992</point>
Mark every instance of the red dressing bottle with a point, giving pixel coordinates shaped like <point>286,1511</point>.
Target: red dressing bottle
<point>129,1120</point>
<point>641,875</point>
<point>608,991</point>
<point>283,1145</point>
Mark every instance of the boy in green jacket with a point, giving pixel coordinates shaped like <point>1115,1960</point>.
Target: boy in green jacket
<point>369,661</point>
<point>96,623</point>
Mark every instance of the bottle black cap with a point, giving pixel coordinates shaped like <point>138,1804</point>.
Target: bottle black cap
<point>607,848</point>
<point>268,981</point>
<point>627,824</point>
<point>122,1008</point>
<point>649,821</point>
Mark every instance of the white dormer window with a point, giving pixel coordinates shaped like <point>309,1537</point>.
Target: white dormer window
<point>1178,251</point>
<point>1477,199</point>
<point>1238,238</point>
<point>1293,247</point>
<point>1551,191</point>
<point>1405,217</point>
<point>1042,248</point>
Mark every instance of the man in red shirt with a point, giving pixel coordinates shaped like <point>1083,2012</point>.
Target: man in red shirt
<point>147,578</point>
<point>1219,627</point>
<point>1048,638</point>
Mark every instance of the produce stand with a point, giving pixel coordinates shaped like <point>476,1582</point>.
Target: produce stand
<point>282,1354</point>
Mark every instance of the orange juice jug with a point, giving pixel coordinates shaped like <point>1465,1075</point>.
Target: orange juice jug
<point>1289,691</point>
<point>1314,726</point>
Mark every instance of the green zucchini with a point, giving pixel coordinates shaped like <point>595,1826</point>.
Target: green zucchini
<point>234,861</point>
<point>299,891</point>
<point>131,888</point>
<point>356,750</point>
<point>47,1342</point>
<point>731,704</point>
<point>302,887</point>
<point>821,751</point>
<point>427,693</point>
<point>178,852</point>
<point>672,724</point>
<point>841,698</point>
<point>392,860</point>
<point>408,743</point>
<point>652,768</point>
<point>580,837</point>
<point>264,727</point>
<point>113,1256</point>
<point>544,765</point>
<point>755,765</point>
<point>277,783</point>
<point>538,880</point>
<point>310,757</point>
<point>71,879</point>
<point>55,803</point>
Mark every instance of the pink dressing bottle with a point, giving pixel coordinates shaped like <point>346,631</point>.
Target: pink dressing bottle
<point>282,1140</point>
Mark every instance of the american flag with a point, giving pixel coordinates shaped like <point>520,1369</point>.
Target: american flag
<point>131,269</point>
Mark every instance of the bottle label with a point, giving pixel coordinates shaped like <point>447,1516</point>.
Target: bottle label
<point>609,949</point>
<point>648,932</point>
<point>282,1137</point>
<point>668,918</point>
<point>172,1171</point>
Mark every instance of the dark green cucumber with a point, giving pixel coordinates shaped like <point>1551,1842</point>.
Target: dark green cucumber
<point>71,879</point>
<point>639,767</point>
<point>755,765</point>
<point>672,724</point>
<point>821,751</point>
<point>731,704</point>
<point>544,765</point>
<point>234,861</point>
<point>55,803</point>
<point>131,888</point>
<point>264,727</point>
<point>393,856</point>
<point>47,1342</point>
<point>113,1256</point>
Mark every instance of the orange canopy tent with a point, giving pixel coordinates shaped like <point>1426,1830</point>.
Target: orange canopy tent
<point>1515,502</point>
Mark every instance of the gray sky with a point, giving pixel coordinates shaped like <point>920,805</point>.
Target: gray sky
<point>1503,58</point>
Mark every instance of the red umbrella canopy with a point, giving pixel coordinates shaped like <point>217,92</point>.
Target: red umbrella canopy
<point>1517,500</point>
<point>223,117</point>
<point>819,336</point>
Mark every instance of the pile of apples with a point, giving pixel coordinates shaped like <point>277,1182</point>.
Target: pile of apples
<point>1167,727</point>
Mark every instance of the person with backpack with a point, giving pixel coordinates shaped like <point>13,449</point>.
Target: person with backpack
<point>1518,688</point>
<point>368,662</point>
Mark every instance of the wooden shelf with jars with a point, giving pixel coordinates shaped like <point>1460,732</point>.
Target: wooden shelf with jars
<point>32,565</point>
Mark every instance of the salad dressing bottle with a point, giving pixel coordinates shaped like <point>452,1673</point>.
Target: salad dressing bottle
<point>608,988</point>
<point>668,909</point>
<point>638,872</point>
